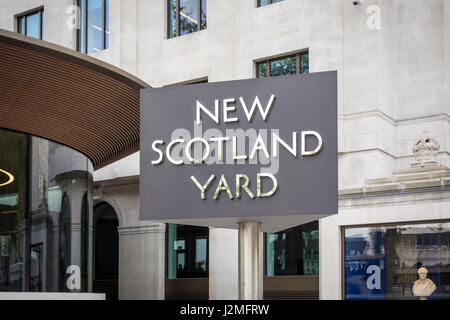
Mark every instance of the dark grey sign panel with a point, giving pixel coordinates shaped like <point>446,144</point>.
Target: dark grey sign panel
<point>293,109</point>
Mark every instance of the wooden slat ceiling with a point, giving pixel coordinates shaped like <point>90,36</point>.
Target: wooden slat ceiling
<point>65,96</point>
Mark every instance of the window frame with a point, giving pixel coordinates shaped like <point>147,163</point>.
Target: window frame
<point>177,18</point>
<point>84,29</point>
<point>372,225</point>
<point>25,15</point>
<point>267,61</point>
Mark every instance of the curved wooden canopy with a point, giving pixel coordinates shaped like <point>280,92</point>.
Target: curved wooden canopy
<point>68,97</point>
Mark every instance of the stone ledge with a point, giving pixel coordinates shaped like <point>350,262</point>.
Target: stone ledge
<point>433,179</point>
<point>153,228</point>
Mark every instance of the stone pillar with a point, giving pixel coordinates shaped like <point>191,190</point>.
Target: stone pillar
<point>250,261</point>
<point>223,264</point>
<point>142,261</point>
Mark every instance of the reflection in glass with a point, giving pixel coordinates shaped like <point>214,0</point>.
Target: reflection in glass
<point>13,210</point>
<point>84,246</point>
<point>36,267</point>
<point>304,63</point>
<point>382,262</point>
<point>33,25</point>
<point>293,251</point>
<point>93,34</point>
<point>262,70</point>
<point>203,13</point>
<point>283,66</point>
<point>94,25</point>
<point>188,16</point>
<point>172,18</point>
<point>187,251</point>
<point>106,24</point>
<point>298,63</point>
<point>38,228</point>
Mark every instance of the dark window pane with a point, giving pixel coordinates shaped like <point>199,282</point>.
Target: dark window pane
<point>172,18</point>
<point>304,63</point>
<point>42,24</point>
<point>188,16</point>
<point>273,1</point>
<point>263,3</point>
<point>283,66</point>
<point>107,24</point>
<point>262,70</point>
<point>294,251</point>
<point>21,27</point>
<point>106,242</point>
<point>13,209</point>
<point>33,25</point>
<point>95,25</point>
<point>187,251</point>
<point>65,224</point>
<point>84,246</point>
<point>36,267</point>
<point>203,22</point>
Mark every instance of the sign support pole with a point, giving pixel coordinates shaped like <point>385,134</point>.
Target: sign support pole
<point>250,261</point>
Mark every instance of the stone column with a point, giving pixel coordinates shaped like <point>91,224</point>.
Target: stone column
<point>142,261</point>
<point>250,261</point>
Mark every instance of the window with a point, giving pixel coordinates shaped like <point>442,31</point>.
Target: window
<point>266,2</point>
<point>31,24</point>
<point>39,237</point>
<point>382,262</point>
<point>84,245</point>
<point>65,230</point>
<point>293,64</point>
<point>185,16</point>
<point>93,34</point>
<point>294,251</point>
<point>187,251</point>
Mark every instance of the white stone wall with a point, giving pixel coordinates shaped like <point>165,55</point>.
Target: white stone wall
<point>393,82</point>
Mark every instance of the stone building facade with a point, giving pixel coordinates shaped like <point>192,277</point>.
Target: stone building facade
<point>393,63</point>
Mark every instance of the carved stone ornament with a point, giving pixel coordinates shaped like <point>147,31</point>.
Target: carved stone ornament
<point>425,152</point>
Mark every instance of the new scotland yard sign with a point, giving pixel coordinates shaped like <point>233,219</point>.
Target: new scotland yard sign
<point>262,150</point>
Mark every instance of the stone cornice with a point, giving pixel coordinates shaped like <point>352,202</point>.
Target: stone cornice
<point>151,228</point>
<point>396,122</point>
<point>403,181</point>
